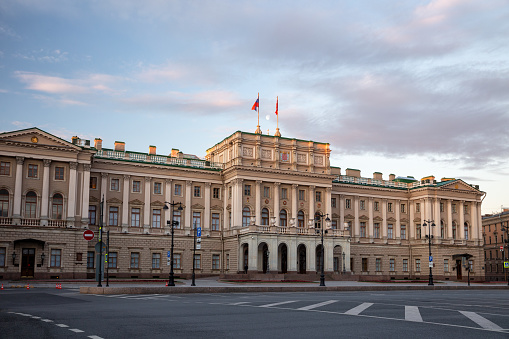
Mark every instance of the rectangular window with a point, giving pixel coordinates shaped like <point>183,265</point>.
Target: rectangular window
<point>156,261</point>
<point>334,224</point>
<point>197,191</point>
<point>364,264</point>
<point>158,188</point>
<point>215,193</point>
<point>215,222</point>
<point>215,261</point>
<point>113,216</point>
<point>392,265</point>
<point>92,212</point>
<point>465,209</point>
<point>156,218</point>
<point>112,259</point>
<point>135,217</point>
<point>176,260</point>
<point>417,265</point>
<point>90,259</point>
<point>302,195</point>
<point>377,206</point>
<point>403,232</point>
<point>348,203</point>
<point>59,173</point>
<point>5,168</point>
<point>284,193</point>
<point>471,265</point>
<point>405,265</point>
<point>389,206</point>
<point>318,196</point>
<point>363,229</point>
<point>229,192</point>
<point>376,230</point>
<point>135,260</point>
<point>2,256</point>
<point>333,202</point>
<point>197,261</point>
<point>417,207</point>
<point>178,190</point>
<point>362,204</point>
<point>453,208</point>
<point>176,218</point>
<point>32,170</point>
<point>56,256</point>
<point>93,183</point>
<point>227,261</point>
<point>266,192</point>
<point>446,265</point>
<point>418,231</point>
<point>378,265</point>
<point>196,219</point>
<point>136,186</point>
<point>247,190</point>
<point>390,233</point>
<point>115,185</point>
<point>403,208</point>
<point>441,207</point>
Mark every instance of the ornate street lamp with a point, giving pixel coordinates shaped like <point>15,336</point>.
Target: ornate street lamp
<point>429,237</point>
<point>42,259</point>
<point>193,282</point>
<point>319,217</point>
<point>506,240</point>
<point>172,223</point>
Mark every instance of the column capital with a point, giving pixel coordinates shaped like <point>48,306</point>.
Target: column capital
<point>104,175</point>
<point>259,182</point>
<point>73,165</point>
<point>168,181</point>
<point>189,183</point>
<point>312,187</point>
<point>208,184</point>
<point>47,162</point>
<point>328,189</point>
<point>295,186</point>
<point>87,167</point>
<point>277,184</point>
<point>148,179</point>
<point>127,177</point>
<point>20,160</point>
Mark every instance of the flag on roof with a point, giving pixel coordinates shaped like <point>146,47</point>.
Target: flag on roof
<point>256,105</point>
<point>277,101</point>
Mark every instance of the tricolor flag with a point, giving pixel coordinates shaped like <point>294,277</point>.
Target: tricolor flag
<point>277,101</point>
<point>256,105</point>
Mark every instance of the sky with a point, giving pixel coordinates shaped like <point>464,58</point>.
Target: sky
<point>403,86</point>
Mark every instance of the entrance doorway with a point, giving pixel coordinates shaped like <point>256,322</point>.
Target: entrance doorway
<point>301,255</point>
<point>459,275</point>
<point>283,252</point>
<point>265,258</point>
<point>27,262</point>
<point>319,261</point>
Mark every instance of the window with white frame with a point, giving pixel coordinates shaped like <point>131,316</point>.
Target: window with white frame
<point>215,222</point>
<point>177,190</point>
<point>197,192</point>
<point>156,261</point>
<point>417,265</point>
<point>33,171</point>
<point>176,260</point>
<point>115,184</point>
<point>284,193</point>
<point>156,218</point>
<point>135,217</point>
<point>135,260</point>
<point>362,204</point>
<point>405,265</point>
<point>390,231</point>
<point>215,262</point>
<point>376,206</point>
<point>56,256</point>
<point>113,216</point>
<point>158,188</point>
<point>378,264</point>
<point>389,206</point>
<point>197,261</point>
<point>348,203</point>
<point>402,208</point>
<point>392,265</point>
<point>196,219</point>
<point>247,190</point>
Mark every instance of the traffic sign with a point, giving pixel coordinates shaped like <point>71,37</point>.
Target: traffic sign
<point>98,246</point>
<point>198,232</point>
<point>430,258</point>
<point>88,235</point>
<point>198,246</point>
<point>431,264</point>
<point>169,254</point>
<point>506,264</point>
<point>501,248</point>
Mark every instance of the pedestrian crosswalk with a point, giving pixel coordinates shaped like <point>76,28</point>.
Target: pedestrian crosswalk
<point>417,314</point>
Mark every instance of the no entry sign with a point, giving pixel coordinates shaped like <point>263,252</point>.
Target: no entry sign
<point>88,235</point>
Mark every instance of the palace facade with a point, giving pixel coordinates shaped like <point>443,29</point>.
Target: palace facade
<point>496,245</point>
<point>261,202</point>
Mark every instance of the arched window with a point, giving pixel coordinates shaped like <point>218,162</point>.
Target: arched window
<point>283,218</point>
<point>300,219</point>
<point>454,229</point>
<point>4,203</point>
<point>442,229</point>
<point>58,206</point>
<point>246,216</point>
<point>265,217</point>
<point>31,205</point>
<point>466,231</point>
<point>318,220</point>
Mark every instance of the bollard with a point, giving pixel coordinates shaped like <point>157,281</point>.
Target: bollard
<point>28,286</point>
<point>2,286</point>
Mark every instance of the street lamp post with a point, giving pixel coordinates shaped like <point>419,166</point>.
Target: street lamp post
<point>506,240</point>
<point>194,254</point>
<point>344,270</point>
<point>431,223</point>
<point>319,217</point>
<point>172,223</point>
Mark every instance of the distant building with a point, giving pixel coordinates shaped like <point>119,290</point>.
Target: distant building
<point>495,237</point>
<point>260,201</point>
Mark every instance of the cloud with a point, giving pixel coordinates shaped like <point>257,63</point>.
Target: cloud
<point>42,55</point>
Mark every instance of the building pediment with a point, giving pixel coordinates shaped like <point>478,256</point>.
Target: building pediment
<point>391,219</point>
<point>198,207</point>
<point>36,137</point>
<point>363,218</point>
<point>335,215</point>
<point>114,201</point>
<point>349,216</point>
<point>216,207</point>
<point>404,220</point>
<point>157,203</point>
<point>94,200</point>
<point>458,184</point>
<point>136,202</point>
<point>377,218</point>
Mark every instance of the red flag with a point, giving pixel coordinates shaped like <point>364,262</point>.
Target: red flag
<point>277,101</point>
<point>256,105</point>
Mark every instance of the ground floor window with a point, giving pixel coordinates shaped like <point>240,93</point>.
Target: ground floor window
<point>446,265</point>
<point>197,261</point>
<point>417,265</point>
<point>405,265</point>
<point>112,259</point>
<point>176,260</point>
<point>215,261</point>
<point>378,265</point>
<point>90,259</point>
<point>2,256</point>
<point>135,260</point>
<point>56,256</point>
<point>364,264</point>
<point>392,265</point>
<point>156,261</point>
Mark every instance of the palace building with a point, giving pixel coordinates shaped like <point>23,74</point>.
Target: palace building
<point>261,202</point>
<point>496,235</point>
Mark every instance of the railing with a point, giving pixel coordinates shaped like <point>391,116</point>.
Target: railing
<point>282,230</point>
<point>57,223</point>
<point>368,181</point>
<point>30,222</point>
<point>5,221</point>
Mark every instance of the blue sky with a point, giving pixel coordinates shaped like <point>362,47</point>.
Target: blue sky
<point>404,87</point>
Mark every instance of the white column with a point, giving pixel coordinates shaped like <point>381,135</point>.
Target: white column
<point>356,224</point>
<point>18,187</point>
<point>294,203</point>
<point>188,220</point>
<point>258,200</point>
<point>341,212</point>
<point>146,209</point>
<point>436,217</point>
<point>384,221</point>
<point>462,221</point>
<point>312,203</point>
<point>45,193</point>
<point>253,255</point>
<point>411,224</point>
<point>370,224</point>
<point>397,230</point>
<point>238,203</point>
<point>104,190</point>
<point>276,202</point>
<point>225,211</point>
<point>125,201</point>
<point>167,197</point>
<point>206,217</point>
<point>473,220</point>
<point>449,220</point>
<point>71,202</point>
<point>328,202</point>
<point>85,200</point>
<point>479,220</point>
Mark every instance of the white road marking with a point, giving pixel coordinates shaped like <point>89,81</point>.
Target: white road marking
<point>76,330</point>
<point>412,313</point>
<point>110,296</point>
<point>280,303</point>
<point>34,317</point>
<point>47,320</point>
<point>25,315</point>
<point>481,321</point>
<point>310,307</point>
<point>358,309</point>
<point>62,325</point>
<point>240,303</point>
<point>95,337</point>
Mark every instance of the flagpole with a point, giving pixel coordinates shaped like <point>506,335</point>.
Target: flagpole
<point>277,134</point>
<point>258,130</point>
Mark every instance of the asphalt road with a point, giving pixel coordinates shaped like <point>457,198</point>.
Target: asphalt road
<point>50,313</point>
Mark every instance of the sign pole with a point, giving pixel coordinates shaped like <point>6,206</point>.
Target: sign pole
<point>100,246</point>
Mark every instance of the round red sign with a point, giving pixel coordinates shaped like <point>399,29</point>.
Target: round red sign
<point>88,235</point>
